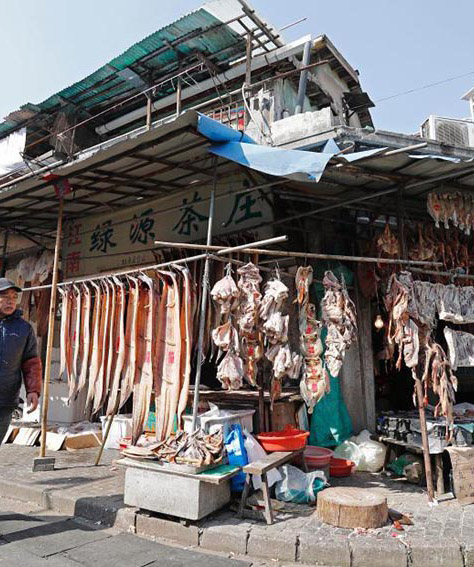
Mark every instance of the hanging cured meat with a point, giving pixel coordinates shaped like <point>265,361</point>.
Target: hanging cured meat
<point>120,337</point>
<point>85,336</point>
<point>275,330</point>
<point>95,351</point>
<point>118,347</point>
<point>143,386</point>
<point>315,380</point>
<point>338,314</point>
<point>171,366</point>
<point>128,376</point>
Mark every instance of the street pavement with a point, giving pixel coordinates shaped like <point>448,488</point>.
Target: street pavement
<point>38,538</point>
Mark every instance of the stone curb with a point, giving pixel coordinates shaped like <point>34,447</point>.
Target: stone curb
<point>253,541</point>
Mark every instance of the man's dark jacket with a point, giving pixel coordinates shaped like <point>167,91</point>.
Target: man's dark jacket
<point>18,358</point>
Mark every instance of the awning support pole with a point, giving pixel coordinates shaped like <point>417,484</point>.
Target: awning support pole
<point>205,292</point>
<point>49,344</point>
<point>424,439</point>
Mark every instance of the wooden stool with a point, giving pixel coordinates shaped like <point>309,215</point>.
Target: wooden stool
<point>260,468</point>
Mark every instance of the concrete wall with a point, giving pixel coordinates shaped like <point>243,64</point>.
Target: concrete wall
<point>329,81</point>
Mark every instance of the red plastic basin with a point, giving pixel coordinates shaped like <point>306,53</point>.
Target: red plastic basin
<point>289,439</point>
<point>340,467</point>
<point>317,457</point>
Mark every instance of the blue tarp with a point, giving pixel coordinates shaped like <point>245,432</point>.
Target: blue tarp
<point>298,165</point>
<point>294,164</point>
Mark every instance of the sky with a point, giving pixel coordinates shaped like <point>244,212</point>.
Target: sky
<point>397,46</point>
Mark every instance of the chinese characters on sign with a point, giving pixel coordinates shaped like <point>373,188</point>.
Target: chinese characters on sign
<point>243,209</point>
<point>101,238</point>
<point>126,238</point>
<point>190,218</point>
<point>141,228</point>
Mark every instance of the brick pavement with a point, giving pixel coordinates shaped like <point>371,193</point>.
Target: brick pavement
<point>442,535</point>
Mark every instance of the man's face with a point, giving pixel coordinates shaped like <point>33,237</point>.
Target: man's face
<point>8,301</point>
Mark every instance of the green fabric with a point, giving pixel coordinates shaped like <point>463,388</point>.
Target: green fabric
<point>221,470</point>
<point>331,423</point>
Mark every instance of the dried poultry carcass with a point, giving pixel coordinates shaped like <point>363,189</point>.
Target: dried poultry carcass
<point>276,328</point>
<point>387,243</point>
<point>303,279</point>
<point>274,296</point>
<point>438,376</point>
<point>424,249</point>
<point>247,316</point>
<point>435,208</point>
<point>339,316</point>
<point>230,371</point>
<point>402,331</point>
<point>226,337</point>
<point>314,382</point>
<point>225,292</point>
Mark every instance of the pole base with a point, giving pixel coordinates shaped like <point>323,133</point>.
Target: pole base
<point>43,464</point>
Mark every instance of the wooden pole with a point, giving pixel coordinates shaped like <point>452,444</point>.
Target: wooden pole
<point>148,111</point>
<point>106,435</point>
<point>424,439</point>
<point>52,313</point>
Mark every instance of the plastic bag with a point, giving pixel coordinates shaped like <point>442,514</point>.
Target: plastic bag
<point>349,451</point>
<point>372,456</point>
<point>400,463</point>
<point>297,486</point>
<point>235,448</point>
<point>255,452</point>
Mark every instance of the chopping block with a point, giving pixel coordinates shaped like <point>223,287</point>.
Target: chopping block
<point>350,507</point>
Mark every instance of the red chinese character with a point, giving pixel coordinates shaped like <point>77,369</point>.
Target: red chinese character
<point>73,262</point>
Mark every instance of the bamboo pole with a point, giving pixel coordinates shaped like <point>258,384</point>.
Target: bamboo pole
<point>49,344</point>
<point>291,254</point>
<point>205,291</point>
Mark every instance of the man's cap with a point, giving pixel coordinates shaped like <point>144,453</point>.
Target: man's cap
<point>7,284</point>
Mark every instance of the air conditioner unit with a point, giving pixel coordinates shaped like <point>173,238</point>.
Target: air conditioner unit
<point>452,131</point>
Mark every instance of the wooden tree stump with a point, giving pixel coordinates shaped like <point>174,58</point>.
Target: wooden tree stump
<point>348,507</point>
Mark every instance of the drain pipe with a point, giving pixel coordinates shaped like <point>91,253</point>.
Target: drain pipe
<point>303,78</point>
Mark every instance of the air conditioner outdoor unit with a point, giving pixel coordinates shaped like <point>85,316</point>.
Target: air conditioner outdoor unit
<point>452,131</point>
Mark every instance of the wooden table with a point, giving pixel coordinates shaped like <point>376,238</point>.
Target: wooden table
<point>260,468</point>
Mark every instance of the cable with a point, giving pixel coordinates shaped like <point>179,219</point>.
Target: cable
<point>426,86</point>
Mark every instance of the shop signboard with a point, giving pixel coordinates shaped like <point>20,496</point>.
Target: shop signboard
<point>126,238</point>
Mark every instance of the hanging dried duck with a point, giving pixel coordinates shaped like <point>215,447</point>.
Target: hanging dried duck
<point>247,319</point>
<point>230,371</point>
<point>338,314</point>
<point>275,330</point>
<point>315,380</point>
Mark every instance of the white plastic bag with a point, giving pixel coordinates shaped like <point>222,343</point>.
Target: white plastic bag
<point>254,453</point>
<point>372,456</point>
<point>349,451</point>
<point>297,486</point>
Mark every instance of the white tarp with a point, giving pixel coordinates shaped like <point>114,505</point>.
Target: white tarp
<point>11,149</point>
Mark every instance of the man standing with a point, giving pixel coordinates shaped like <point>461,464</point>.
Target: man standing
<point>18,357</point>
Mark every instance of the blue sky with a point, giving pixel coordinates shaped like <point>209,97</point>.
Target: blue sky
<point>396,45</point>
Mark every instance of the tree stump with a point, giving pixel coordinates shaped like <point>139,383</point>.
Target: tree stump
<point>347,507</point>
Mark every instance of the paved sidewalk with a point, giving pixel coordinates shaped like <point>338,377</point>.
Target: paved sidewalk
<point>442,535</point>
<point>38,540</point>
